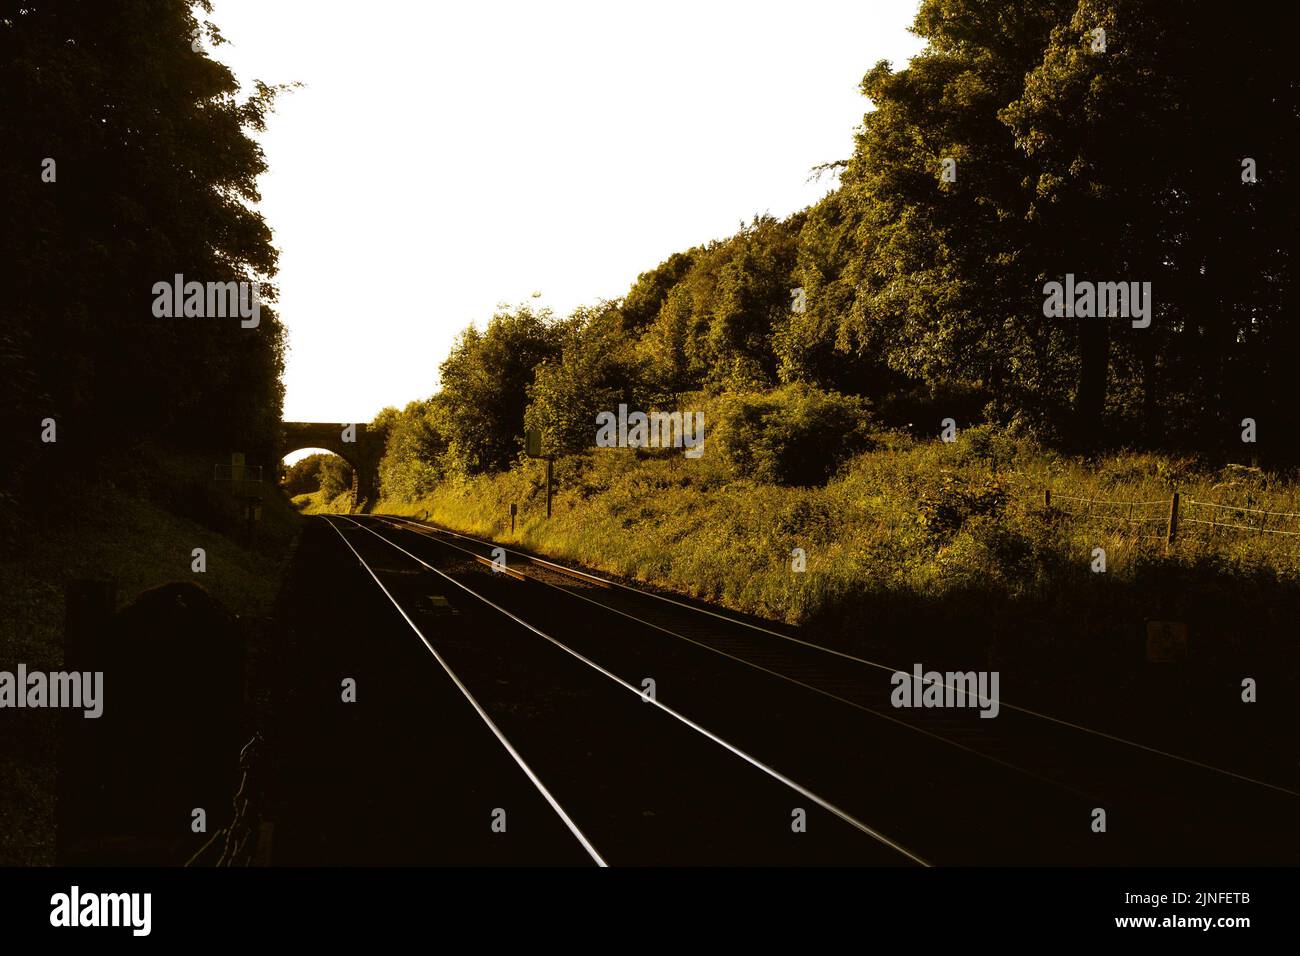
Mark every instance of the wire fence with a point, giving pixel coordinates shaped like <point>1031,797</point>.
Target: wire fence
<point>1238,512</point>
<point>1177,512</point>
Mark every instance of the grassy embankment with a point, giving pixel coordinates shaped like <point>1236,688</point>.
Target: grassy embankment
<point>318,503</point>
<point>135,522</point>
<point>944,554</point>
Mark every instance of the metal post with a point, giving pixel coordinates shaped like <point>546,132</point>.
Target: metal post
<point>548,488</point>
<point>1047,498</point>
<point>514,508</point>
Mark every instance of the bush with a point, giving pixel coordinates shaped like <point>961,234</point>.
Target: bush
<point>943,511</point>
<point>796,435</point>
<point>335,476</point>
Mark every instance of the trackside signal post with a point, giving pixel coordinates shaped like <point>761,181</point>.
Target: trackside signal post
<point>533,449</point>
<point>246,485</point>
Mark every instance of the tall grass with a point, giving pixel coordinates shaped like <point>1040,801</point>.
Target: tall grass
<point>320,503</point>
<point>921,516</point>
<point>921,550</point>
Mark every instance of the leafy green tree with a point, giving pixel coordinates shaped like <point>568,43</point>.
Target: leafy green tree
<point>664,349</point>
<point>940,282</point>
<point>643,301</point>
<point>485,383</point>
<point>715,321</point>
<point>414,450</point>
<point>335,476</point>
<point>752,298</point>
<point>1014,149</point>
<point>303,476</point>
<point>595,369</point>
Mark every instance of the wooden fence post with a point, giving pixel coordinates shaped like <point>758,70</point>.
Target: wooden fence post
<point>1047,498</point>
<point>1173,521</point>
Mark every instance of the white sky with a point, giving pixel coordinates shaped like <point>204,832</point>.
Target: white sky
<point>447,157</point>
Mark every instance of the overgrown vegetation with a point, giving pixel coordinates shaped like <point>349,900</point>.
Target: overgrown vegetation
<point>129,159</point>
<point>829,350</point>
<point>155,175</point>
<point>323,473</point>
<point>909,516</point>
<point>923,293</point>
<point>795,435</point>
<point>921,550</point>
<point>322,503</point>
<point>138,520</point>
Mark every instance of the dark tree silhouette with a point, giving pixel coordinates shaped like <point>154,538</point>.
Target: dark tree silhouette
<point>152,173</point>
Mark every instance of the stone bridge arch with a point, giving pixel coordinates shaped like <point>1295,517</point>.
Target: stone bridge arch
<point>362,453</point>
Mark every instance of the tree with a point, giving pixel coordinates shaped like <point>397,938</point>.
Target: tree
<point>154,173</point>
<point>335,476</point>
<point>940,269</point>
<point>595,370</point>
<point>303,476</point>
<point>646,297</point>
<point>415,448</point>
<point>752,297</point>
<point>1140,151</point>
<point>664,349</point>
<point>485,383</point>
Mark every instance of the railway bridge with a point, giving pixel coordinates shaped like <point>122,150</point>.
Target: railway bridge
<point>351,441</point>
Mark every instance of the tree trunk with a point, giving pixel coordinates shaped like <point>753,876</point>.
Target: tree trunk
<point>1153,424</point>
<point>1090,398</point>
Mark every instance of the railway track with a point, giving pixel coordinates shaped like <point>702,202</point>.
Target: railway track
<point>641,778</point>
<point>936,785</point>
<point>815,675</point>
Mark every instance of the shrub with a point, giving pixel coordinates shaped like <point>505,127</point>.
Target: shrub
<point>943,511</point>
<point>796,435</point>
